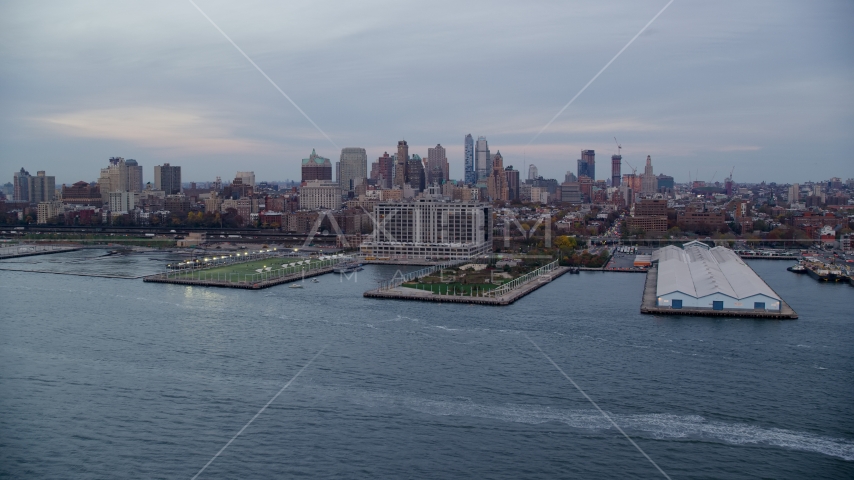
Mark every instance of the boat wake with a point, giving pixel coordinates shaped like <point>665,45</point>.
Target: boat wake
<point>656,426</point>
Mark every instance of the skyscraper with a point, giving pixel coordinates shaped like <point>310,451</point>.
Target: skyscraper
<point>400,171</point>
<point>415,175</point>
<point>383,171</point>
<point>533,173</point>
<point>353,168</point>
<point>471,173</point>
<point>437,165</point>
<point>587,164</point>
<point>512,177</point>
<point>167,178</point>
<point>649,184</point>
<point>316,167</point>
<point>483,161</point>
<point>21,192</point>
<point>134,174</point>
<point>616,168</point>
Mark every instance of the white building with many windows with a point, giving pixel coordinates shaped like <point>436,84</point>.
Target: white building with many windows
<point>427,229</point>
<point>320,195</point>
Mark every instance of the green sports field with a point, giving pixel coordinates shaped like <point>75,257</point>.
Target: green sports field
<point>247,271</point>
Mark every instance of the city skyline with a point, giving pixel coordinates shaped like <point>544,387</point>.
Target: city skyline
<point>76,96</point>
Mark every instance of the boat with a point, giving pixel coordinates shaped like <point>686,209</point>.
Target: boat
<point>314,280</point>
<point>797,268</point>
<point>295,285</point>
<point>348,267</point>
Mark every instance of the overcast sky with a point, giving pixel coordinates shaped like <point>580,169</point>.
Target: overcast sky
<point>762,86</point>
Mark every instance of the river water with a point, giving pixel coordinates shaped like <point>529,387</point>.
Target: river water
<point>116,378</point>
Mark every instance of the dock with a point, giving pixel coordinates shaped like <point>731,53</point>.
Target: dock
<point>649,307</point>
<point>161,278</point>
<point>31,250</point>
<point>404,293</point>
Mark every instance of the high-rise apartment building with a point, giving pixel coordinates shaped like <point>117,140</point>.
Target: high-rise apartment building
<point>382,171</point>
<point>167,178</point>
<point>649,184</point>
<point>415,174</point>
<point>353,168</point>
<point>41,188</point>
<point>512,177</point>
<point>483,160</point>
<point>400,168</point>
<point>470,173</point>
<point>134,175</point>
<point>533,173</point>
<point>794,193</point>
<point>438,170</point>
<point>497,181</point>
<point>587,164</point>
<point>316,167</point>
<point>320,195</point>
<point>21,192</point>
<point>616,170</point>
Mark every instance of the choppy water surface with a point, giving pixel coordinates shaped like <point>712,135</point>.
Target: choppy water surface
<point>115,378</point>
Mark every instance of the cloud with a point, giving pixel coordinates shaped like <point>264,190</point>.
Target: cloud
<point>181,131</point>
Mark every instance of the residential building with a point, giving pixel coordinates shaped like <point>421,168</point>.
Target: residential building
<point>616,169</point>
<point>587,164</point>
<point>122,201</point>
<point>430,229</point>
<point>438,170</point>
<point>570,192</point>
<point>21,192</point>
<point>470,171</point>
<point>82,193</point>
<point>167,178</point>
<point>512,177</point>
<point>41,188</point>
<point>496,183</point>
<point>382,171</point>
<point>483,160</point>
<point>415,175</point>
<point>401,175</point>
<point>177,204</point>
<point>247,178</point>
<point>48,211</point>
<point>134,175</point>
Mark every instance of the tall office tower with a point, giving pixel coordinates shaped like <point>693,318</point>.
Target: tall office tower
<point>616,170</point>
<point>437,165</point>
<point>41,188</point>
<point>533,173</point>
<point>353,168</point>
<point>483,161</point>
<point>316,167</point>
<point>512,177</point>
<point>167,178</point>
<point>21,192</point>
<point>134,174</point>
<point>570,178</point>
<point>649,184</point>
<point>400,173</point>
<point>587,164</point>
<point>382,171</point>
<point>471,173</point>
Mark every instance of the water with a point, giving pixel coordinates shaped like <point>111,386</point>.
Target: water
<point>114,378</point>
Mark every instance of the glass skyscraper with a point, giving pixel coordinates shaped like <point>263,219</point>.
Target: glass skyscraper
<point>471,175</point>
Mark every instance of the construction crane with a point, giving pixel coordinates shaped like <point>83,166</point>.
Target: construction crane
<point>634,170</point>
<point>619,147</point>
<point>730,173</point>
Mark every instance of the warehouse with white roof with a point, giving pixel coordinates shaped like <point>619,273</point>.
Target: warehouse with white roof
<point>699,276</point>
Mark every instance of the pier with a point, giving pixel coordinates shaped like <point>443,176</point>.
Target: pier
<point>255,284</point>
<point>494,298</point>
<point>18,251</point>
<point>649,306</point>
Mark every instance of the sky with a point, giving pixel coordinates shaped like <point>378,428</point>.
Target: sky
<point>760,88</point>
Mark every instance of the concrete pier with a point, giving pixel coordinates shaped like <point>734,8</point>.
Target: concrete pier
<point>161,278</point>
<point>31,250</point>
<point>648,305</point>
<point>404,293</point>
